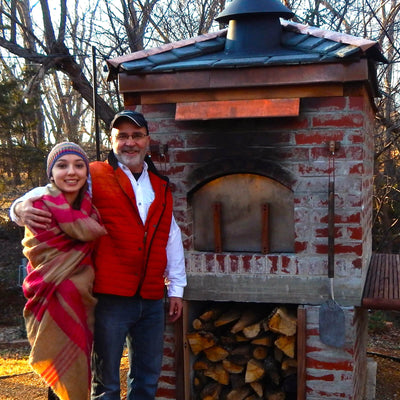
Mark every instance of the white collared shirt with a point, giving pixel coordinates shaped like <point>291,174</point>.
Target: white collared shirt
<point>175,270</point>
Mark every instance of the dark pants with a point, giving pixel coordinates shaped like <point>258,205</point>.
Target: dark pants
<point>52,395</point>
<point>141,324</point>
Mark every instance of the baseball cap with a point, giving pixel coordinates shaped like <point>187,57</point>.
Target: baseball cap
<point>134,116</point>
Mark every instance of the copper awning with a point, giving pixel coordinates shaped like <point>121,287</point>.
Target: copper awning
<point>382,286</point>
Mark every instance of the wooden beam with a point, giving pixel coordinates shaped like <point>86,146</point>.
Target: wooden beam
<point>265,228</point>
<point>301,352</point>
<point>237,109</point>
<point>217,210</point>
<point>184,370</point>
<point>278,92</point>
<point>381,304</point>
<point>266,76</point>
<point>180,364</point>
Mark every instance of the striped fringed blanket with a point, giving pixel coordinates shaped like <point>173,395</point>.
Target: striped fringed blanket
<point>59,310</point>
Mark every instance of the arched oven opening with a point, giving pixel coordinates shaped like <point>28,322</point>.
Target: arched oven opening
<point>243,212</point>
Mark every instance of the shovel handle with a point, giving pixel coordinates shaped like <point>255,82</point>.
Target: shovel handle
<point>331,229</point>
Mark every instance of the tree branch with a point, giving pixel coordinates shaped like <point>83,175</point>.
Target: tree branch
<point>49,35</point>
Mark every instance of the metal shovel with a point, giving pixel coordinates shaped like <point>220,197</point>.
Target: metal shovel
<point>331,315</point>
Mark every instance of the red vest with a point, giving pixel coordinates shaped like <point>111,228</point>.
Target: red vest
<point>132,257</point>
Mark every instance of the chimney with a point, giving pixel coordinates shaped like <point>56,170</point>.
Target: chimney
<point>254,26</point>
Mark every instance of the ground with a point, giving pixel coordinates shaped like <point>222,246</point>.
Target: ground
<point>17,382</point>
<point>384,347</point>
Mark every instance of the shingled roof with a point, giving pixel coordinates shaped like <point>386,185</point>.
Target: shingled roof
<point>300,44</point>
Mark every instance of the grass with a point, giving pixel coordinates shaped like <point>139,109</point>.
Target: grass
<point>382,321</point>
<point>14,361</point>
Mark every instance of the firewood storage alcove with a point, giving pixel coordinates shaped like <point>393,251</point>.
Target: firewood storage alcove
<point>243,350</point>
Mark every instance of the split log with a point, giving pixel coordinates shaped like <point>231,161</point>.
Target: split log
<point>288,363</point>
<point>232,367</point>
<point>240,359</point>
<point>263,340</point>
<point>201,364</point>
<point>216,353</point>
<point>218,374</point>
<point>242,350</point>
<point>238,394</point>
<point>247,318</point>
<point>199,341</point>
<point>199,380</point>
<point>228,317</point>
<point>200,325</point>
<point>197,383</point>
<point>211,391</point>
<point>260,352</point>
<point>276,395</point>
<point>289,367</point>
<point>272,370</point>
<point>254,371</point>
<point>286,344</point>
<point>197,324</point>
<point>212,314</point>
<point>264,325</point>
<point>258,388</point>
<point>282,322</point>
<point>228,341</point>
<point>241,338</point>
<point>252,331</point>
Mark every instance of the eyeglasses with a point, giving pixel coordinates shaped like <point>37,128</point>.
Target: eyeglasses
<point>123,137</point>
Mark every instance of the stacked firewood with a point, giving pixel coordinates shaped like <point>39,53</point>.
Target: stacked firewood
<point>244,353</point>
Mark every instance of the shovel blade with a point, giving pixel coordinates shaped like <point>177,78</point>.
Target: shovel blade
<point>331,324</point>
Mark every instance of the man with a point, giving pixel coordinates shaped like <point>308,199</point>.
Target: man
<point>142,250</point>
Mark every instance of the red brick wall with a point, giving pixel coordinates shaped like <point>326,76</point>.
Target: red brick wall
<point>167,382</point>
<point>337,373</point>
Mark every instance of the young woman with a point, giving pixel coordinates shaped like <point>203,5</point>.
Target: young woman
<point>58,287</point>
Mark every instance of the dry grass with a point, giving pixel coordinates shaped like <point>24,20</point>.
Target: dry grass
<point>18,381</point>
<point>14,362</point>
<point>11,367</point>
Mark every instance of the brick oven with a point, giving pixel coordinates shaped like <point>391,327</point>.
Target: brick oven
<point>243,121</point>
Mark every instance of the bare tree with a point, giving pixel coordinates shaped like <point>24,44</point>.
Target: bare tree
<point>49,50</point>
<point>387,165</point>
<point>178,20</point>
<point>54,42</point>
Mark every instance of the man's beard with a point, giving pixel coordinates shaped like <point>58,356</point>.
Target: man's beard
<point>133,162</point>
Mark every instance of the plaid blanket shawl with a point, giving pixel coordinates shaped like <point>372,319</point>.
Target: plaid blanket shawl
<point>58,287</point>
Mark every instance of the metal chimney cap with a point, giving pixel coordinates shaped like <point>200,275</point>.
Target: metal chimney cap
<point>238,8</point>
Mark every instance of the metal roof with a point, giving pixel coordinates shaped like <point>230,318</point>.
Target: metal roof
<point>239,8</point>
<point>300,44</point>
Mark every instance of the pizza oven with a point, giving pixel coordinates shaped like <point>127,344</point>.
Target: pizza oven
<point>253,125</point>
